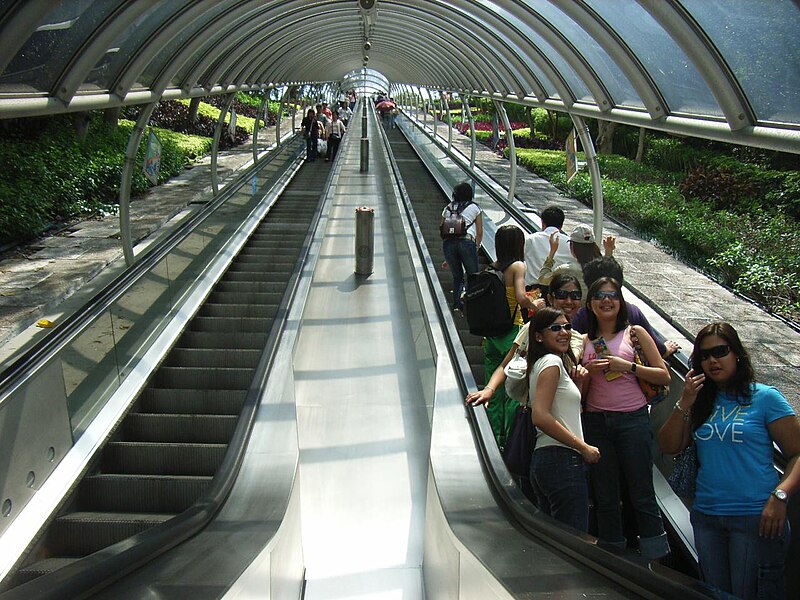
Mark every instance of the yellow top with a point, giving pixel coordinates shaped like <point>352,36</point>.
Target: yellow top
<point>513,305</point>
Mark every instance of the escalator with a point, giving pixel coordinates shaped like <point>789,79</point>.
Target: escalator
<point>165,453</point>
<point>428,202</point>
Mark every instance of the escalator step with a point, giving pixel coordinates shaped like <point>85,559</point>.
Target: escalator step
<point>192,429</point>
<point>221,378</point>
<point>232,325</point>
<point>82,533</point>
<point>191,401</point>
<point>230,311</point>
<point>39,568</point>
<point>140,493</point>
<point>153,458</point>
<point>223,340</point>
<point>212,357</point>
<point>272,264</point>
<point>245,297</point>
<point>227,285</point>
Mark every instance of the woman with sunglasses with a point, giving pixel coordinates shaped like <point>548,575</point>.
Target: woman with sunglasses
<point>558,471</point>
<point>617,420</point>
<point>739,512</point>
<point>565,295</point>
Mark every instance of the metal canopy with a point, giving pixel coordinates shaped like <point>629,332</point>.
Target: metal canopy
<point>721,69</point>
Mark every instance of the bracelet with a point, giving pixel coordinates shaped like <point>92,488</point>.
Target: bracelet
<point>488,387</point>
<point>685,412</point>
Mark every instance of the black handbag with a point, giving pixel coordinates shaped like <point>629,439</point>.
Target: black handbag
<point>520,443</point>
<point>683,478</point>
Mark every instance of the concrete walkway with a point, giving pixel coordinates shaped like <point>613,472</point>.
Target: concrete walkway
<point>691,299</point>
<point>52,277</point>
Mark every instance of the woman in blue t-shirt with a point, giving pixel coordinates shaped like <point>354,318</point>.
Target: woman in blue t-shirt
<point>739,512</point>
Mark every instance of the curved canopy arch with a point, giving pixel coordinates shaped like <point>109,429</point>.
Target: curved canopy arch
<point>708,68</point>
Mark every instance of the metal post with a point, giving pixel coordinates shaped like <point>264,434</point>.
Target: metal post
<point>512,149</point>
<point>446,107</point>
<point>125,182</point>
<point>215,145</point>
<point>471,135</point>
<point>594,176</point>
<point>280,116</point>
<point>365,240</point>
<point>263,109</point>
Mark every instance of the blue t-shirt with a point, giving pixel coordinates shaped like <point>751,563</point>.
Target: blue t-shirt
<point>734,449</point>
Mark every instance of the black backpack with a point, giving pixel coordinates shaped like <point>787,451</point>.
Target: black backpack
<point>454,225</point>
<point>486,305</point>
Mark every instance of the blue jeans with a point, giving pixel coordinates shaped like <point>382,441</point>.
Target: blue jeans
<point>625,442</point>
<point>558,476</point>
<point>735,559</point>
<point>311,148</point>
<point>461,255</point>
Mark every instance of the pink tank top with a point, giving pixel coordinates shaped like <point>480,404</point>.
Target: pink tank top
<point>622,394</point>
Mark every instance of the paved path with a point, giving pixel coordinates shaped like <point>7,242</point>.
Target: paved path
<point>54,276</point>
<point>690,298</point>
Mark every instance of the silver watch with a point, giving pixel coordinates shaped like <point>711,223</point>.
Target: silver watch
<point>780,494</point>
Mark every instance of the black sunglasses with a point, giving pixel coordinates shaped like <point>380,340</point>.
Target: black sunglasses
<point>613,295</point>
<point>717,352</point>
<point>564,294</point>
<point>556,327</point>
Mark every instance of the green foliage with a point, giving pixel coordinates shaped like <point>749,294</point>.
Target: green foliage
<point>752,247</point>
<point>50,175</point>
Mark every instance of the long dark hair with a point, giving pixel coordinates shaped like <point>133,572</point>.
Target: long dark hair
<point>585,252</point>
<point>741,383</point>
<point>509,244</point>
<point>622,315</point>
<point>536,349</point>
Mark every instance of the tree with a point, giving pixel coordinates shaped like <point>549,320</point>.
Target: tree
<point>605,136</point>
<point>642,144</point>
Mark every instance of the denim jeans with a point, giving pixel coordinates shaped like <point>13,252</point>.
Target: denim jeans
<point>735,559</point>
<point>311,149</point>
<point>558,476</point>
<point>461,255</point>
<point>625,442</point>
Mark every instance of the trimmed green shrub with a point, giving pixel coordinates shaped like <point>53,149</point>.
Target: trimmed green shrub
<point>51,176</point>
<point>753,250</point>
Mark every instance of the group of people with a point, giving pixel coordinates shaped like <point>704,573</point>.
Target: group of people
<point>593,433</point>
<point>324,124</point>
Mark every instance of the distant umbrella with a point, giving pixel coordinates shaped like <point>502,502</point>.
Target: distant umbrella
<point>385,105</point>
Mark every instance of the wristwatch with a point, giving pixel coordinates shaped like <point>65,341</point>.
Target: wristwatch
<point>633,367</point>
<point>780,494</point>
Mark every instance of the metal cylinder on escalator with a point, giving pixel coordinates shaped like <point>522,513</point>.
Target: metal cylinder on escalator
<point>365,240</point>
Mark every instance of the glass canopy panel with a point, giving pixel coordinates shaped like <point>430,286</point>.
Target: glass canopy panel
<point>59,34</point>
<point>759,42</point>
<point>607,70</point>
<point>571,78</point>
<point>148,76</point>
<point>116,57</point>
<point>214,41</point>
<point>681,85</point>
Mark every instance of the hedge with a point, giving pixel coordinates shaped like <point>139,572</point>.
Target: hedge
<point>756,251</point>
<point>51,176</point>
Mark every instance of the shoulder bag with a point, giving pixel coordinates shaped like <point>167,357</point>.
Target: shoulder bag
<point>654,393</point>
